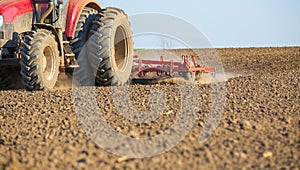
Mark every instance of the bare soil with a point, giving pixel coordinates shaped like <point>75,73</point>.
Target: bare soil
<point>259,128</point>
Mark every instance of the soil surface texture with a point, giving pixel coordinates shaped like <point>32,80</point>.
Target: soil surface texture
<point>259,128</point>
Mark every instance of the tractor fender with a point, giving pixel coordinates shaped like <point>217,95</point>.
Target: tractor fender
<point>74,10</point>
<point>12,9</point>
<point>54,32</point>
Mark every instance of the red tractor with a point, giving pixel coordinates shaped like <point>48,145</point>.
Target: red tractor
<point>40,39</point>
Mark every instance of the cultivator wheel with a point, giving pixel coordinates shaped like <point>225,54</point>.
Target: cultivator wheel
<point>190,76</point>
<point>40,61</point>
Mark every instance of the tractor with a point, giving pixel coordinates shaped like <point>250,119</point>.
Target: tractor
<point>43,39</point>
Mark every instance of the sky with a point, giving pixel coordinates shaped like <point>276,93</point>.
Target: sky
<point>225,23</point>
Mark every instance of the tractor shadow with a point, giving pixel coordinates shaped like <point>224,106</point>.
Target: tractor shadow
<point>10,79</point>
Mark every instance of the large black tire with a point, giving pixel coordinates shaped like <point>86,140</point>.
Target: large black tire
<point>82,29</point>
<point>81,74</point>
<point>40,61</point>
<point>10,79</point>
<point>110,48</point>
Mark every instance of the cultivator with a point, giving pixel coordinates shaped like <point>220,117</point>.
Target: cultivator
<point>145,71</point>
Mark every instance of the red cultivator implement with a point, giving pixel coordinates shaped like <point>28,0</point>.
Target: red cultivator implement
<point>146,71</point>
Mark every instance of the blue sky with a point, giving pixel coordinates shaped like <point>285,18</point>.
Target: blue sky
<point>226,23</point>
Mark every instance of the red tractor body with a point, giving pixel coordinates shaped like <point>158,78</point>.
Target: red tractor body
<point>11,9</point>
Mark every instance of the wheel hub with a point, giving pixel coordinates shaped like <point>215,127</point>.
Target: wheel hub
<point>48,63</point>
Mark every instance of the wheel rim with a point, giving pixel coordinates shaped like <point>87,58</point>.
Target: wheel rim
<point>48,63</point>
<point>121,51</point>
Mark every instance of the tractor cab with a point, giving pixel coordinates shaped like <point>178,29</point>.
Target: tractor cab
<point>47,11</point>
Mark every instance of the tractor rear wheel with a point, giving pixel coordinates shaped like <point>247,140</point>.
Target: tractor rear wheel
<point>110,47</point>
<point>82,74</point>
<point>82,29</point>
<point>40,61</point>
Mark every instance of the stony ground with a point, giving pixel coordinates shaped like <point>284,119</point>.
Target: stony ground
<point>258,130</point>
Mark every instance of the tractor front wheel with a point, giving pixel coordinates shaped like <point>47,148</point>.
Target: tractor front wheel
<point>40,61</point>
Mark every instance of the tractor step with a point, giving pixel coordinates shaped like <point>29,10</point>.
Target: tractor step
<point>70,55</point>
<point>71,63</point>
<point>73,66</point>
